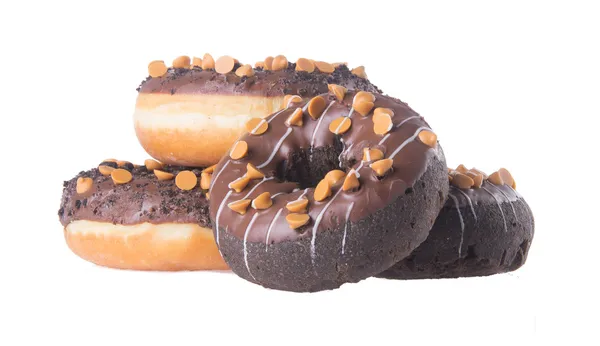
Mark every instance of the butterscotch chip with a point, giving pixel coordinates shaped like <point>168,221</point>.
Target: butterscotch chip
<point>205,179</point>
<point>122,163</point>
<point>110,160</point>
<point>382,124</point>
<point>363,96</point>
<point>280,62</point>
<point>338,91</point>
<point>323,190</point>
<point>351,182</point>
<point>240,206</point>
<point>335,177</point>
<point>208,62</point>
<point>372,154</point>
<point>259,64</point>
<point>84,185</point>
<point>475,170</point>
<point>105,170</point>
<point>262,201</point>
<point>297,206</point>
<point>257,126</point>
<point>186,180</point>
<point>182,62</point>
<point>224,64</point>
<point>157,68</point>
<point>305,65</point>
<point>197,62</point>
<point>324,67</point>
<point>381,110</point>
<point>244,71</point>
<point>381,167</point>
<point>295,119</point>
<point>428,138</point>
<point>289,99</point>
<point>162,175</point>
<point>363,108</point>
<point>496,179</point>
<point>210,169</point>
<point>461,168</point>
<point>296,220</point>
<point>340,125</point>
<point>239,150</point>
<point>477,181</point>
<point>152,164</point>
<point>462,181</point>
<point>268,63</point>
<point>253,173</point>
<point>121,176</point>
<point>316,106</point>
<point>507,178</point>
<point>239,184</point>
<point>359,71</point>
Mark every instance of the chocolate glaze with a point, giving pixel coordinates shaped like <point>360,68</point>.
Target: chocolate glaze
<point>273,151</point>
<point>263,83</point>
<point>144,199</point>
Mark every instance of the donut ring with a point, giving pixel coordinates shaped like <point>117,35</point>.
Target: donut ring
<point>190,114</point>
<point>484,228</point>
<point>321,198</point>
<point>151,217</point>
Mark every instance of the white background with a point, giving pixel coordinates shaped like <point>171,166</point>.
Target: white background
<point>515,84</point>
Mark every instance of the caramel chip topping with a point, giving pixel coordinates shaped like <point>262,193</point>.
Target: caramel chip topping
<point>121,176</point>
<point>428,138</point>
<point>239,184</point>
<point>186,180</point>
<point>210,169</point>
<point>323,190</point>
<point>475,170</point>
<point>280,62</point>
<point>381,167</point>
<point>305,65</point>
<point>253,173</point>
<point>268,63</point>
<point>84,185</point>
<point>351,182</point>
<point>507,178</point>
<point>462,181</point>
<point>340,125</point>
<point>152,164</point>
<point>477,181</point>
<point>295,119</point>
<point>297,206</point>
<point>363,96</point>
<point>240,206</point>
<point>197,62</point>
<point>383,124</point>
<point>244,71</point>
<point>297,220</point>
<point>496,179</point>
<point>338,91</point>
<point>122,163</point>
<point>262,201</point>
<point>205,179</point>
<point>289,99</point>
<point>208,62</point>
<point>363,108</point>
<point>157,68</point>
<point>359,71</point>
<point>381,110</point>
<point>182,62</point>
<point>334,177</point>
<point>372,154</point>
<point>239,150</point>
<point>105,170</point>
<point>162,175</point>
<point>324,67</point>
<point>259,64</point>
<point>257,126</point>
<point>316,106</point>
<point>224,64</point>
<point>461,168</point>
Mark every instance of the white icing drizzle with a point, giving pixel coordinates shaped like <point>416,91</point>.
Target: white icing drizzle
<point>470,202</point>
<point>219,214</point>
<point>507,199</point>
<point>313,253</point>
<point>271,228</point>
<point>277,194</point>
<point>246,242</point>
<point>287,133</point>
<point>499,207</point>
<point>357,169</point>
<point>257,185</point>
<point>462,224</point>
<point>217,176</point>
<point>275,115</point>
<point>346,226</point>
<point>397,126</point>
<point>312,140</point>
<point>262,121</point>
<point>412,138</point>
<point>350,113</point>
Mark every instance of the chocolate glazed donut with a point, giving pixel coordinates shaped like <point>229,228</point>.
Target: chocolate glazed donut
<point>328,191</point>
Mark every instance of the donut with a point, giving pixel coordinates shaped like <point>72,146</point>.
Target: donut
<point>331,190</point>
<point>191,113</point>
<point>151,217</point>
<point>484,228</point>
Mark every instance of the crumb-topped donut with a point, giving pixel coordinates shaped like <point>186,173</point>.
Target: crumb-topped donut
<point>151,217</point>
<point>328,191</point>
<point>191,113</point>
<point>485,228</point>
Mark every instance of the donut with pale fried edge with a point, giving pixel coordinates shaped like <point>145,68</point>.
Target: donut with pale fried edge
<point>129,219</point>
<point>190,115</point>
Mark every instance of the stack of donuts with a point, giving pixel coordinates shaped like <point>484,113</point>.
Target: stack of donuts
<point>298,176</point>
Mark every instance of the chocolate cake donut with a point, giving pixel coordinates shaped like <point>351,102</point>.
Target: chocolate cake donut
<point>150,217</point>
<point>191,113</point>
<point>485,228</point>
<point>328,191</point>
